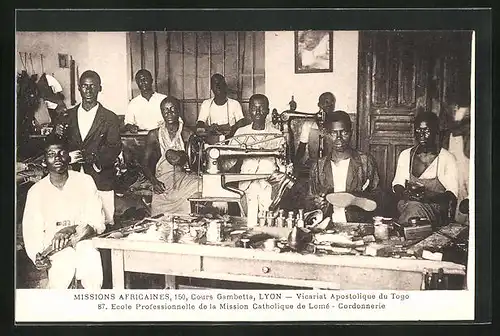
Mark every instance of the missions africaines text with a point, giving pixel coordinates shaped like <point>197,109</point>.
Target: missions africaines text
<point>219,296</point>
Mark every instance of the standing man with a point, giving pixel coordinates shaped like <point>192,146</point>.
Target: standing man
<point>64,210</point>
<point>221,113</point>
<point>347,177</point>
<point>143,112</point>
<point>455,129</point>
<point>309,133</point>
<point>93,136</point>
<point>259,192</point>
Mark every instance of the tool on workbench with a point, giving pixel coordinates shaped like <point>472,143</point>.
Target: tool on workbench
<point>461,244</point>
<point>299,238</point>
<point>137,227</point>
<point>270,244</point>
<point>253,240</point>
<point>42,261</point>
<point>381,230</point>
<point>418,229</point>
<point>313,218</point>
<point>214,231</point>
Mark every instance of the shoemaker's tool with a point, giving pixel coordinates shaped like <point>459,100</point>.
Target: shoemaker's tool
<point>299,238</point>
<point>138,224</point>
<point>414,188</point>
<point>418,229</point>
<point>42,261</point>
<point>459,243</point>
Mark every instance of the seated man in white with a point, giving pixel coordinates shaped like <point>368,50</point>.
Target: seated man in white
<point>258,193</point>
<point>143,112</point>
<point>220,113</point>
<point>64,210</point>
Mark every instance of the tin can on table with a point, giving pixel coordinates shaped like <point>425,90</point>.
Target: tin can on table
<point>381,231</point>
<point>214,231</point>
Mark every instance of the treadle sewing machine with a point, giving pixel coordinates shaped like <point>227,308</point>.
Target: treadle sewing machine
<point>285,119</point>
<point>207,160</point>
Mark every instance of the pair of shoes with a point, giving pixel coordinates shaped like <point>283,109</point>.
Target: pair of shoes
<point>343,200</point>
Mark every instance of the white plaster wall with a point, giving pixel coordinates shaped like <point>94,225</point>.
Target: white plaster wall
<point>282,82</point>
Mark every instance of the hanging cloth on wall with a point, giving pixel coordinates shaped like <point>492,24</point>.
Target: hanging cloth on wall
<point>42,115</point>
<point>49,86</point>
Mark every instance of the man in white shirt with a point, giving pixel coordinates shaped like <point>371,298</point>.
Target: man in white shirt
<point>220,113</point>
<point>259,192</point>
<point>143,112</point>
<point>433,169</point>
<point>349,179</point>
<point>64,210</point>
<point>309,133</point>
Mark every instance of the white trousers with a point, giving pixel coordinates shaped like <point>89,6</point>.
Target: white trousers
<point>108,205</point>
<point>258,196</point>
<point>84,261</point>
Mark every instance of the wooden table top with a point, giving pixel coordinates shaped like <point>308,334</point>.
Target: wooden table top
<point>411,265</point>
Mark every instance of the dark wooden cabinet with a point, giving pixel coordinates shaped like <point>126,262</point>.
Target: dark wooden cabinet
<point>401,74</point>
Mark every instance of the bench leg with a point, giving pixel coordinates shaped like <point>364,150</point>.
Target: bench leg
<point>170,282</point>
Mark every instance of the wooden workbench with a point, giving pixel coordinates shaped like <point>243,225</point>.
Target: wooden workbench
<point>259,266</point>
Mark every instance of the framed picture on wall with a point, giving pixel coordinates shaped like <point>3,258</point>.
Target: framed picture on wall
<point>313,51</point>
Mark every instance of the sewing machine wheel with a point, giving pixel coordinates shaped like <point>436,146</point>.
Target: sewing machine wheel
<point>194,151</point>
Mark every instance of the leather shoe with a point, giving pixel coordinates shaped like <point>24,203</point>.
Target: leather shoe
<point>343,200</point>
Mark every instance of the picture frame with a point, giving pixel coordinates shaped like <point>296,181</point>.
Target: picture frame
<point>63,60</point>
<point>313,51</point>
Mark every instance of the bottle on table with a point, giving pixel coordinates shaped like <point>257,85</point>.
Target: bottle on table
<point>300,219</point>
<point>280,220</point>
<point>262,218</point>
<point>270,219</point>
<point>290,222</point>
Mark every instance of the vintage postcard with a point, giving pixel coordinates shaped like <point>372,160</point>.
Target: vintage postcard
<point>245,175</point>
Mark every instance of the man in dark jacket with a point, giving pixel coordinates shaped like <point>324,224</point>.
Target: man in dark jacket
<point>348,178</point>
<point>344,183</point>
<point>93,137</point>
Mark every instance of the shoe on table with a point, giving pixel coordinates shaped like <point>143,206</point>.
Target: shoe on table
<point>343,200</point>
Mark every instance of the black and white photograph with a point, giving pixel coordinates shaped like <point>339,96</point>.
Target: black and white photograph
<point>244,160</point>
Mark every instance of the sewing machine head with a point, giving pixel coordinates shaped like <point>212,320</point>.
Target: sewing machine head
<point>284,117</point>
<point>206,158</point>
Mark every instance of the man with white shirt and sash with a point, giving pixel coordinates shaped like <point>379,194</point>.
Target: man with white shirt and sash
<point>433,169</point>
<point>220,113</point>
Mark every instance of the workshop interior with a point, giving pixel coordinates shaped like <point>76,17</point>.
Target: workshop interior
<point>246,160</point>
